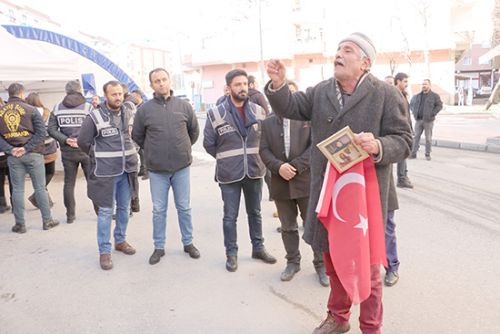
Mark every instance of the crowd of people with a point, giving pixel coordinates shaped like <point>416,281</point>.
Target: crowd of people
<point>122,137</point>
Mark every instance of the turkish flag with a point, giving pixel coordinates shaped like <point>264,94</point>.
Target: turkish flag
<point>349,208</point>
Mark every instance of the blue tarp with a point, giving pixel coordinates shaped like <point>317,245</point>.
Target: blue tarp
<point>88,84</point>
<point>75,46</point>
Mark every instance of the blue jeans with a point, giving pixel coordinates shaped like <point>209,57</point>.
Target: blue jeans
<point>121,193</point>
<point>160,184</point>
<point>34,165</point>
<point>231,194</point>
<point>390,243</point>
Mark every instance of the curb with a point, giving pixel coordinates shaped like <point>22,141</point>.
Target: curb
<point>488,147</point>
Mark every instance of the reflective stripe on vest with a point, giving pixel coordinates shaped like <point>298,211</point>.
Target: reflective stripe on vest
<point>100,123</point>
<point>114,154</point>
<point>233,153</point>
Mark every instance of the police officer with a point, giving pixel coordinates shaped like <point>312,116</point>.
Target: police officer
<point>105,136</point>
<point>64,125</point>
<point>232,136</point>
<point>21,136</point>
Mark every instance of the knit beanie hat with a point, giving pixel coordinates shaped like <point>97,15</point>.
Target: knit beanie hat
<point>364,44</point>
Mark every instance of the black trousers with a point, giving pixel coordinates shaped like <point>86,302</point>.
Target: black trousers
<point>71,160</point>
<point>287,212</point>
<point>4,173</point>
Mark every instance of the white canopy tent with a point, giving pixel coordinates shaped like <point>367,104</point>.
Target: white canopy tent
<point>41,71</point>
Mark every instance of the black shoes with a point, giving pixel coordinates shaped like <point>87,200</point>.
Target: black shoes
<point>18,228</point>
<point>156,256</point>
<point>264,256</point>
<point>70,219</point>
<point>322,277</point>
<point>135,205</point>
<point>232,263</point>
<point>290,271</point>
<point>4,207</point>
<point>428,157</point>
<point>192,251</point>
<point>50,224</point>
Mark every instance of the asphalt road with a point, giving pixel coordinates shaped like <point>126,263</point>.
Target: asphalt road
<point>449,245</point>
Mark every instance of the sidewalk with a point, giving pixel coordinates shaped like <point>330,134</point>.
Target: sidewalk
<point>468,128</point>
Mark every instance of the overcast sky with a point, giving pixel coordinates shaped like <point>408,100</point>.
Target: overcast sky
<point>141,20</point>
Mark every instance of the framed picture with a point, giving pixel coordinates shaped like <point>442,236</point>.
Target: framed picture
<point>341,150</point>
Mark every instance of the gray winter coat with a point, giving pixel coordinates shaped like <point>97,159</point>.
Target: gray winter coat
<point>373,107</point>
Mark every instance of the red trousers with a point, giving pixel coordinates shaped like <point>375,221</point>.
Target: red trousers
<point>339,303</point>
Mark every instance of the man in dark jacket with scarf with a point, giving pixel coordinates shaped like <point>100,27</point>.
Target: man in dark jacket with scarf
<point>424,106</point>
<point>105,137</point>
<point>285,148</point>
<point>64,125</point>
<point>166,127</point>
<point>232,137</point>
<point>376,113</point>
<point>22,132</point>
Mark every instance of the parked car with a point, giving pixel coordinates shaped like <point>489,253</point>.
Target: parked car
<point>484,91</point>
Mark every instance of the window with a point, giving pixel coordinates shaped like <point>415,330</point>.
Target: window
<point>467,60</point>
<point>487,62</point>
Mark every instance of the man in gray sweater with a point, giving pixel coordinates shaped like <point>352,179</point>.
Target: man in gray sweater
<point>166,127</point>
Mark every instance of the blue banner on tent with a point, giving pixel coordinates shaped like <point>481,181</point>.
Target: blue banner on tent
<point>75,46</point>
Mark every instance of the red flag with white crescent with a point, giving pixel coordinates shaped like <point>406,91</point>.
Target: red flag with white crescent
<point>349,208</point>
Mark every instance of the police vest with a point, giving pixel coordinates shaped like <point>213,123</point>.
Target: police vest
<point>237,157</point>
<point>70,119</point>
<point>114,151</point>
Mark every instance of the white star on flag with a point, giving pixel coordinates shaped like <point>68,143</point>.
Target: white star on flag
<point>363,224</point>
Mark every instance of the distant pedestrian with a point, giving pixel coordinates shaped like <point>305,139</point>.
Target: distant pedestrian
<point>232,136</point>
<point>424,106</point>
<point>166,127</point>
<point>105,136</point>
<point>139,101</point>
<point>22,132</point>
<point>256,96</point>
<point>401,83</point>
<point>50,146</point>
<point>96,101</point>
<point>461,95</point>
<point>64,125</point>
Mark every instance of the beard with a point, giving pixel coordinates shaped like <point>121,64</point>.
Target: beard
<point>115,105</point>
<point>241,96</point>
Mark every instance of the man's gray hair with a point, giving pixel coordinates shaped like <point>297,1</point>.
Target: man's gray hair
<point>73,86</point>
